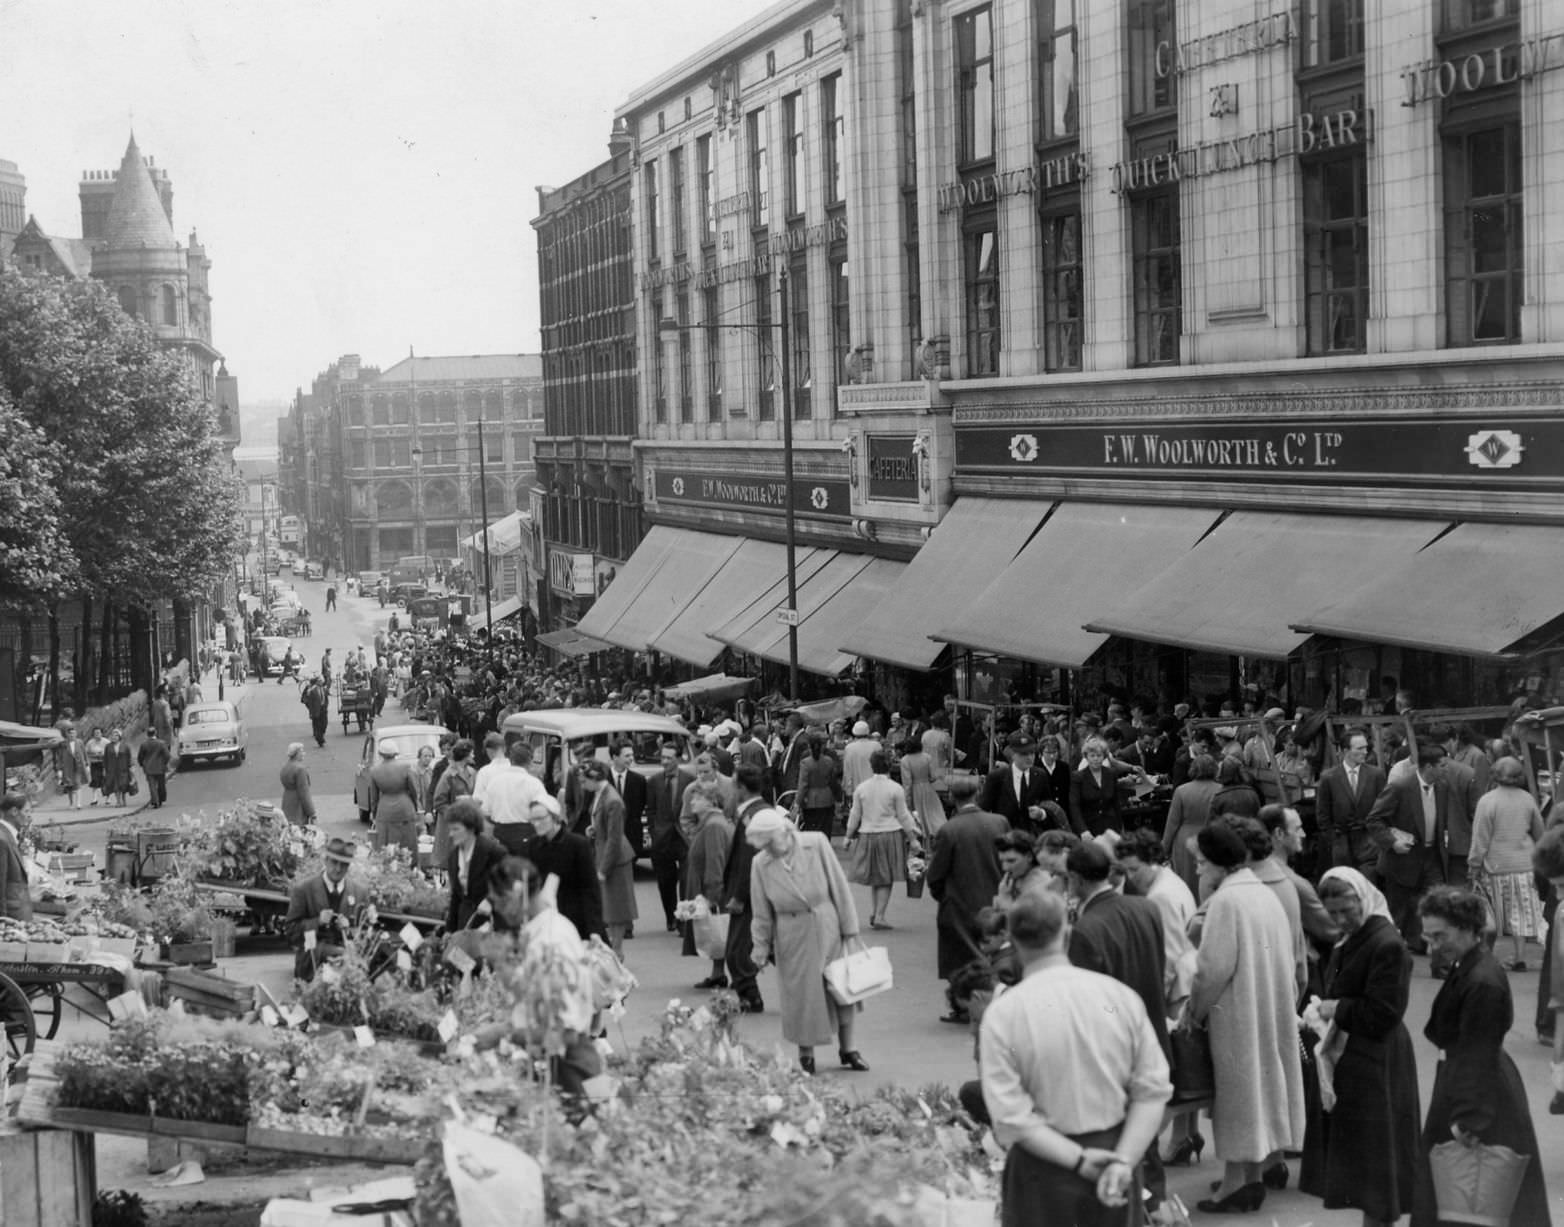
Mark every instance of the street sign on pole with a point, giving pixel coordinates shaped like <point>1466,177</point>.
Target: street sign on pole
<point>788,617</point>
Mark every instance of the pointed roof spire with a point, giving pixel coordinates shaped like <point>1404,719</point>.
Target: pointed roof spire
<point>136,217</point>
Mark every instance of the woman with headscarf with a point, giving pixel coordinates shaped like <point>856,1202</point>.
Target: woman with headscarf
<point>1235,795</point>
<point>1505,829</point>
<point>1360,1151</point>
<point>611,851</point>
<point>803,916</point>
<point>117,778</point>
<point>298,803</point>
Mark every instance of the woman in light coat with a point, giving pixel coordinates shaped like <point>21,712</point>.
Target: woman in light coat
<point>298,803</point>
<point>881,817</point>
<point>611,851</point>
<point>70,765</point>
<point>1505,829</point>
<point>803,916</point>
<point>917,777</point>
<point>1243,991</point>
<point>1190,810</point>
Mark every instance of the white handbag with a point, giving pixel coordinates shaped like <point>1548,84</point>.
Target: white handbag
<point>859,974</point>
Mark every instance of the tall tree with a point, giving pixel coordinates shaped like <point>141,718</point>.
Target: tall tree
<point>35,559</point>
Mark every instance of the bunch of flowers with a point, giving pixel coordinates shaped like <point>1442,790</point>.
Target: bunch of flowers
<point>248,847</point>
<point>179,912</point>
<point>917,866</point>
<point>394,884</point>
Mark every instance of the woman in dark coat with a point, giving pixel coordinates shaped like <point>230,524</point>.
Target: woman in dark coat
<point>1478,1093</point>
<point>1094,792</point>
<point>611,851</point>
<point>116,767</point>
<point>819,787</point>
<point>1234,796</point>
<point>1362,1151</point>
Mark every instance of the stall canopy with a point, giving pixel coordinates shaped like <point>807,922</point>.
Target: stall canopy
<point>713,688</point>
<point>505,535</point>
<point>1075,567</point>
<point>507,608</point>
<point>571,642</point>
<point>1478,590</point>
<point>656,584</point>
<point>977,540</point>
<point>1247,583</point>
<point>753,567</point>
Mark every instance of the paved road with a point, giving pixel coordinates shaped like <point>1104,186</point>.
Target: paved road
<point>899,1034</point>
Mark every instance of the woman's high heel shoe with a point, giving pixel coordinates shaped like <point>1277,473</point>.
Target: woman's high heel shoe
<point>1245,1199</point>
<point>1187,1152</point>
<point>1275,1176</point>
<point>807,1064</point>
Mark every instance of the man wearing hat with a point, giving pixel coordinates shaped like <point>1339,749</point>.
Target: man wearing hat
<point>1016,791</point>
<point>1258,753</point>
<point>855,758</point>
<point>320,907</point>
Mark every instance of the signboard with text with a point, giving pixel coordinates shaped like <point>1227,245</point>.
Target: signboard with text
<point>571,574</point>
<point>812,496</point>
<point>1507,449</point>
<point>892,468</point>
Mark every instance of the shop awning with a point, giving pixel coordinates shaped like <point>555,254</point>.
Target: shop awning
<point>571,642</point>
<point>1255,575</point>
<point>863,599</point>
<point>507,608</point>
<point>713,688</point>
<point>820,575</point>
<point>1083,558</point>
<point>505,534</point>
<point>677,563</point>
<point>976,540</point>
<point>754,567</point>
<point>1476,591</point>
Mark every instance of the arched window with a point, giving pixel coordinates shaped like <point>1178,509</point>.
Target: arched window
<point>447,408</point>
<point>493,405</point>
<point>382,411</point>
<point>127,299</point>
<point>474,402</point>
<point>355,410</point>
<point>170,306</point>
<point>400,408</point>
<point>440,497</point>
<point>426,407</point>
<point>498,505</point>
<point>394,498</point>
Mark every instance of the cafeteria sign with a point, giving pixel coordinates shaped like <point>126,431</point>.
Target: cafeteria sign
<point>1525,451</point>
<point>813,496</point>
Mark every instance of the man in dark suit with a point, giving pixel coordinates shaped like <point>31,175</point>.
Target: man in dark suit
<point>569,857</point>
<point>1342,801</point>
<point>1408,823</point>
<point>963,876</point>
<point>473,856</point>
<point>154,757</point>
<point>1017,790</point>
<point>16,902</point>
<point>1466,787</point>
<point>320,907</point>
<point>749,786</point>
<point>1120,936</point>
<point>664,802</point>
<point>631,785</point>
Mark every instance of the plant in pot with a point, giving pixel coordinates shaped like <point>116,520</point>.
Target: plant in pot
<point>182,921</point>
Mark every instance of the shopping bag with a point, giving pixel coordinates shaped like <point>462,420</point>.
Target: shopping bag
<point>711,935</point>
<point>859,974</point>
<point>495,1183</point>
<point>1194,1075</point>
<point>1476,1184</point>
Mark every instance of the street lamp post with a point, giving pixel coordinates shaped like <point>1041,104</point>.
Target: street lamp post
<point>790,520</point>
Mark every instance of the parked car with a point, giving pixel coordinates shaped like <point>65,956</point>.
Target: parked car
<point>274,649</point>
<point>560,737</point>
<point>408,740</point>
<point>314,570</point>
<point>212,730</point>
<point>368,581</point>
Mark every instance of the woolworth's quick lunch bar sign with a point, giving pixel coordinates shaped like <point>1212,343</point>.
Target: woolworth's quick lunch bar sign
<point>1516,452</point>
<point>812,496</point>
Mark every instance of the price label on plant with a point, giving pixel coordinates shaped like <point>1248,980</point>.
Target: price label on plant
<point>460,959</point>
<point>411,937</point>
<point>296,1015</point>
<point>448,1027</point>
<point>328,973</point>
<point>270,1016</point>
<point>364,1036</point>
<point>404,961</point>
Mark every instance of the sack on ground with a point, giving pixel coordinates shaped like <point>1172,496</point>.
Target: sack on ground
<point>859,974</point>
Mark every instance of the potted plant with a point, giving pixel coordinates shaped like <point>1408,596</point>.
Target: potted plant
<point>182,922</point>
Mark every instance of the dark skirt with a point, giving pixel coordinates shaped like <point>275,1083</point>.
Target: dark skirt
<point>1362,1155</point>
<point>1511,1127</point>
<point>821,819</point>
<point>880,859</point>
<point>95,773</point>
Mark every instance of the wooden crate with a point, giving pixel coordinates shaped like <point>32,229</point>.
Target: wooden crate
<point>48,1178</point>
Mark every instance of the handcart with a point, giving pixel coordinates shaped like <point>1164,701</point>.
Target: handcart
<point>33,998</point>
<point>356,701</point>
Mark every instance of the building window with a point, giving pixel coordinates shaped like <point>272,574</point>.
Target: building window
<point>809,43</point>
<point>127,300</point>
<point>793,153</point>
<point>170,306</point>
<point>685,390</point>
<point>356,454</point>
<point>841,315</point>
<point>981,260</point>
<point>445,409</point>
<point>1151,44</point>
<point>705,187</point>
<point>1332,31</point>
<point>493,405</point>
<point>401,408</point>
<point>494,448</point>
<point>380,409</point>
<point>765,350</point>
<point>798,310</point>
<point>831,130</point>
<point>759,171</point>
<point>771,63</point>
<point>676,197</point>
<point>1484,248</point>
<point>907,82</point>
<point>1062,290</point>
<point>914,275</point>
<point>1057,86</point>
<point>688,109</point>
<point>1155,268</point>
<point>649,182</point>
<point>659,363</point>
<point>975,86</point>
<point>713,336</point>
<point>1336,269</point>
<point>1464,14</point>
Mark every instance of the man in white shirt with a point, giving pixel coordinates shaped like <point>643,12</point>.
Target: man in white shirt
<point>1072,1142</point>
<point>507,791</point>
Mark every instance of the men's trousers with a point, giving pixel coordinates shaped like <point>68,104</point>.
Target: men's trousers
<point>1403,897</point>
<point>740,958</point>
<point>668,863</point>
<point>157,787</point>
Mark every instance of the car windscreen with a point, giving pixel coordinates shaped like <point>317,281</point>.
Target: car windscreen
<point>408,744</point>
<point>207,715</point>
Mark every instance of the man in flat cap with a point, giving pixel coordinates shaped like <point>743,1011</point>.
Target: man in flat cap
<point>1016,790</point>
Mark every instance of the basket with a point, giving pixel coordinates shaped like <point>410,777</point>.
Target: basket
<point>1476,1184</point>
<point>914,888</point>
<point>224,937</point>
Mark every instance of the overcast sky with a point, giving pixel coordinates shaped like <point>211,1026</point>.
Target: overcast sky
<point>361,172</point>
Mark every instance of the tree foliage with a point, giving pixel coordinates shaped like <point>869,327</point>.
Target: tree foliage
<point>145,505</point>
<point>34,557</point>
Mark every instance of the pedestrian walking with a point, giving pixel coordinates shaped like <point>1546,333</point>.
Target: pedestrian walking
<point>709,840</point>
<point>71,770</point>
<point>298,802</point>
<point>154,756</point>
<point>749,786</point>
<point>393,802</point>
<point>315,702</point>
<point>615,858</point>
<point>880,815</point>
<point>1507,829</point>
<point>331,597</point>
<point>963,876</point>
<point>117,778</point>
<point>95,746</point>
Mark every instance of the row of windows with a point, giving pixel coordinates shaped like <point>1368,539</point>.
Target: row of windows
<point>583,520</point>
<point>165,305</point>
<point>443,498</point>
<point>669,173</point>
<point>586,270</point>
<point>396,409</point>
<point>436,451</point>
<point>590,390</point>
